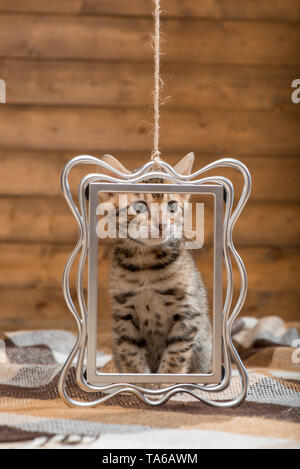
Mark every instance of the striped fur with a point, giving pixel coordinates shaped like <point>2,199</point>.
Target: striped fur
<point>160,312</point>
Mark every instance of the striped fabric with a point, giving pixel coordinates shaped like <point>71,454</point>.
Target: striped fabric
<point>32,414</point>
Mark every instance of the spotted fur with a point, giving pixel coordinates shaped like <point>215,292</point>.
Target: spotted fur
<point>160,313</point>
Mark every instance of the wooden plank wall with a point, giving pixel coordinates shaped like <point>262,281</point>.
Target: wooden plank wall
<point>79,78</point>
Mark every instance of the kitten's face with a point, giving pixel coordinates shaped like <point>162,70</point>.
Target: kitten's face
<point>147,219</point>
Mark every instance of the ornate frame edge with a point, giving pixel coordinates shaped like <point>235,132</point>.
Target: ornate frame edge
<point>80,213</point>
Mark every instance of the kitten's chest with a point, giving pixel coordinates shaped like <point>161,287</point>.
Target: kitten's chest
<point>151,310</point>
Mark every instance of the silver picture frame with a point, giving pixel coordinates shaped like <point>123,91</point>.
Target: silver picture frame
<point>201,387</point>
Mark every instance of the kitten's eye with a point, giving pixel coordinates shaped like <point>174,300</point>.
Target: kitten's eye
<point>138,207</point>
<point>172,206</point>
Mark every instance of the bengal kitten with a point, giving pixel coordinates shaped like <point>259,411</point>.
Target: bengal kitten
<point>160,311</point>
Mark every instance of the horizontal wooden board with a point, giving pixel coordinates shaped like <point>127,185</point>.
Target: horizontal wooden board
<point>42,6</point>
<point>285,304</point>
<point>19,307</point>
<point>50,220</point>
<point>13,324</point>
<point>115,38</point>
<point>190,86</point>
<point>246,9</point>
<point>83,129</point>
<point>34,173</point>
<point>269,224</point>
<point>36,220</point>
<point>45,303</point>
<point>31,266</point>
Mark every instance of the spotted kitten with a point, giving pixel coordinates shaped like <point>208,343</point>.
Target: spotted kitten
<point>160,312</point>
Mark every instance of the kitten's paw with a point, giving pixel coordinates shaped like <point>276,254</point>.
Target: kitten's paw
<point>156,386</point>
<point>153,386</point>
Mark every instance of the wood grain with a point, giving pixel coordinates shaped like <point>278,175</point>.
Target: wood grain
<point>129,84</point>
<point>247,9</point>
<point>37,173</point>
<point>79,79</point>
<point>50,220</point>
<point>41,6</point>
<point>113,130</point>
<point>269,224</point>
<point>114,38</point>
<point>36,220</point>
<point>31,266</point>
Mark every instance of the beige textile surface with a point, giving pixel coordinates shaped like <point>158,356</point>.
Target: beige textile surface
<point>32,414</point>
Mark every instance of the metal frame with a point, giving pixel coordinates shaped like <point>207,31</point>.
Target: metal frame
<point>93,377</point>
<point>229,313</point>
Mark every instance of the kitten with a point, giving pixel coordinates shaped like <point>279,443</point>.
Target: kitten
<point>160,313</point>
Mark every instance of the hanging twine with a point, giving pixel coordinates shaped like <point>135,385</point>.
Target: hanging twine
<point>157,82</point>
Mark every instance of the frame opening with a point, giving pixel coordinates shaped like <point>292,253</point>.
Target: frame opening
<point>94,377</point>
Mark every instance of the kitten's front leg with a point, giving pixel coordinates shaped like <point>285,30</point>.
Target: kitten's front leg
<point>179,348</point>
<point>129,346</point>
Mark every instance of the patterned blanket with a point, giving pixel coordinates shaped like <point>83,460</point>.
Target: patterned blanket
<point>32,414</point>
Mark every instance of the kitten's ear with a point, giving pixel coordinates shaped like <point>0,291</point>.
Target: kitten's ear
<point>112,161</point>
<point>185,165</point>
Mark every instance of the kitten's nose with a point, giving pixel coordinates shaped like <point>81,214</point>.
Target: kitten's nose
<point>162,227</point>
